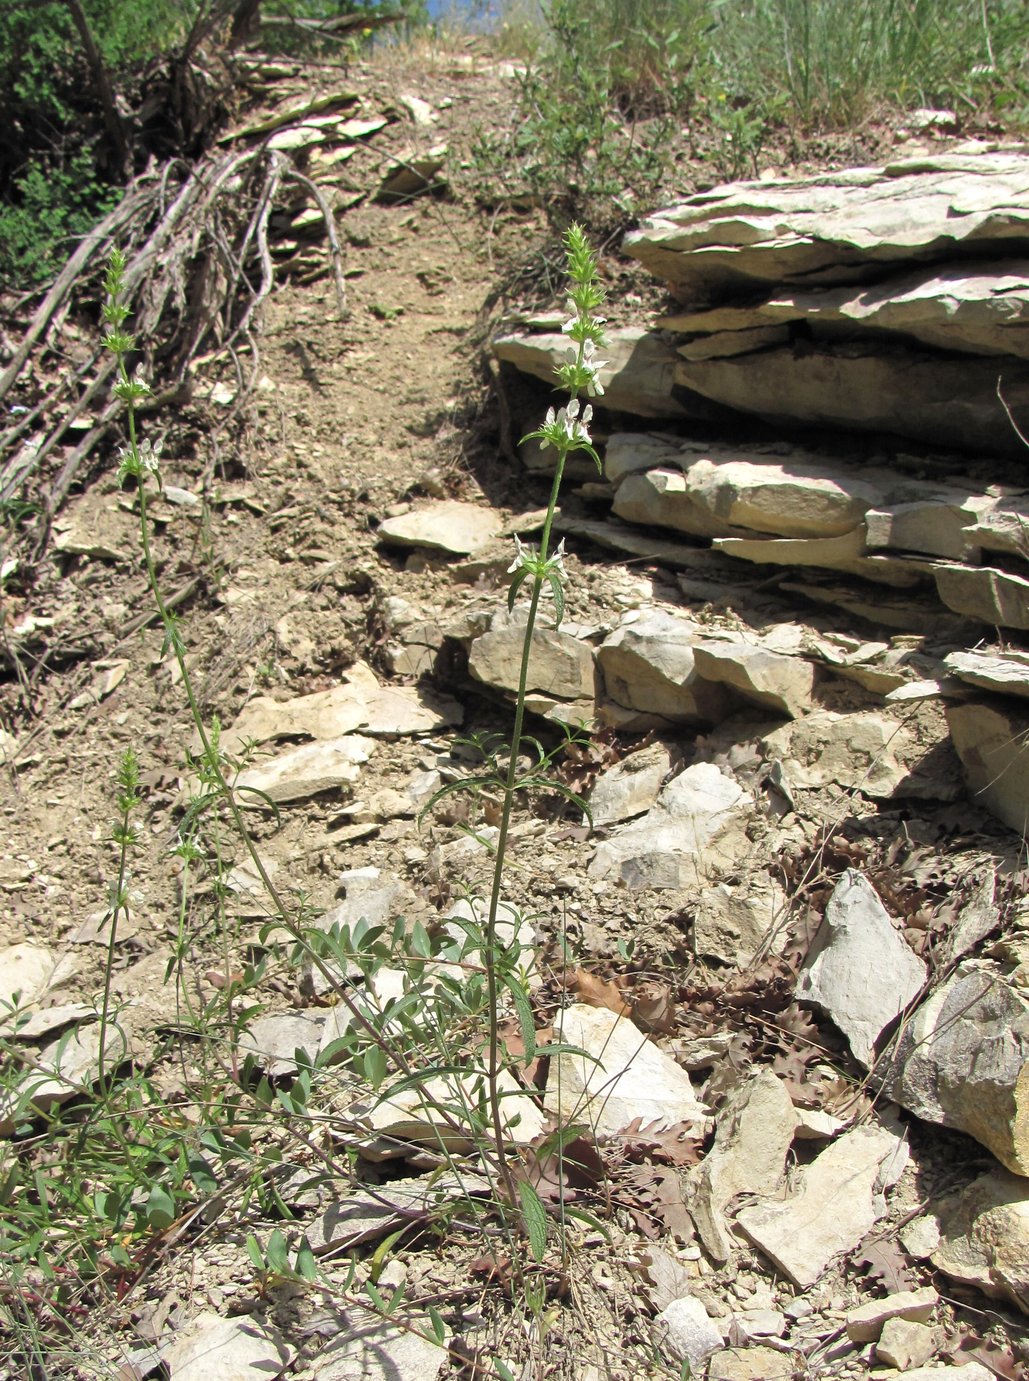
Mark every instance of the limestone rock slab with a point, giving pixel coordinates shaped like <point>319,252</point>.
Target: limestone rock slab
<point>449,526</point>
<point>650,673</point>
<point>859,969</point>
<point>688,1333</point>
<point>992,742</point>
<point>962,1060</point>
<point>835,226</point>
<point>754,1131</point>
<point>984,1237</point>
<point>309,770</point>
<point>840,1197</point>
<point>631,786</point>
<point>560,666</point>
<point>695,828</point>
<point>1008,675</point>
<point>638,376</point>
<point>992,596</point>
<point>782,684</point>
<point>623,1076</point>
<point>865,751</point>
<point>240,1349</point>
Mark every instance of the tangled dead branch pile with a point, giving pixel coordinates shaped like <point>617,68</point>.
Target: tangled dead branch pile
<point>197,236</point>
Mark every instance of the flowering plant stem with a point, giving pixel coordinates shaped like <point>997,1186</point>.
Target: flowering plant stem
<point>567,431</point>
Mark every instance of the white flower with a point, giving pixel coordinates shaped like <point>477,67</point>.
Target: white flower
<point>594,386</point>
<point>556,561</point>
<point>150,456</point>
<point>523,553</point>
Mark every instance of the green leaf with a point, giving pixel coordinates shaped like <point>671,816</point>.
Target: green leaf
<point>305,1265</point>
<point>503,1370</point>
<point>376,1298</point>
<point>554,581</point>
<point>160,1208</point>
<point>523,1010</point>
<point>439,1328</point>
<point>375,1065</point>
<point>278,1254</point>
<point>515,586</point>
<point>255,1253</point>
<point>535,1216</point>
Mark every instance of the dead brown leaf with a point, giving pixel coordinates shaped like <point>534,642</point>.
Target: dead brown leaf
<point>599,992</point>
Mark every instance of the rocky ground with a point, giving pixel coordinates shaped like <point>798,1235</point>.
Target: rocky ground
<point>783,863</point>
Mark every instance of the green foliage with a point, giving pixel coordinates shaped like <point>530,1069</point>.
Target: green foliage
<point>609,86</point>
<point>829,64</point>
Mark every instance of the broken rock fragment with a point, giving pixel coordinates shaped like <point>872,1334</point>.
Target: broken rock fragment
<point>962,1060</point>
<point>696,827</point>
<point>839,1198</point>
<point>622,1077</point>
<point>992,741</point>
<point>448,526</point>
<point>754,1131</point>
<point>860,970</point>
<point>984,1237</point>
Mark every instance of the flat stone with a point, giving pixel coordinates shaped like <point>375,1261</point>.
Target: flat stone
<point>695,829</point>
<point>413,174</point>
<point>734,921</point>
<point>36,1023</point>
<point>754,1132</point>
<point>240,1349</point>
<point>631,786</point>
<point>369,1213</point>
<point>980,592</point>
<point>970,1371</point>
<point>361,702</point>
<point>865,1323</point>
<point>905,1345</point>
<point>992,742</point>
<point>869,386</point>
<point>868,752</point>
<point>25,973</point>
<point>560,666</point>
<point>309,770</point>
<point>430,1115</point>
<point>687,1331</point>
<point>650,673</point>
<point>449,526</point>
<point>962,1060</point>
<point>839,1198</point>
<point>637,377</point>
<point>984,1237</point>
<point>63,1068</point>
<point>835,226</point>
<point>623,1076</point>
<point>1008,675</point>
<point>376,1350</point>
<point>859,969</point>
<point>779,683</point>
<point>750,1364</point>
<point>662,498</point>
<point>274,1040</point>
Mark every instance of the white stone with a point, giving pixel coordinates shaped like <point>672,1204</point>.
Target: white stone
<point>650,672</point>
<point>274,1040</point>
<point>695,827</point>
<point>449,526</point>
<point>631,786</point>
<point>754,1132</point>
<point>25,970</point>
<point>905,1345</point>
<point>984,1237</point>
<point>308,770</point>
<point>838,1199</point>
<point>215,1349</point>
<point>689,1334</point>
<point>623,1076</point>
<point>359,703</point>
<point>859,968</point>
<point>1008,675</point>
<point>992,741</point>
<point>865,1322</point>
<point>375,1350</point>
